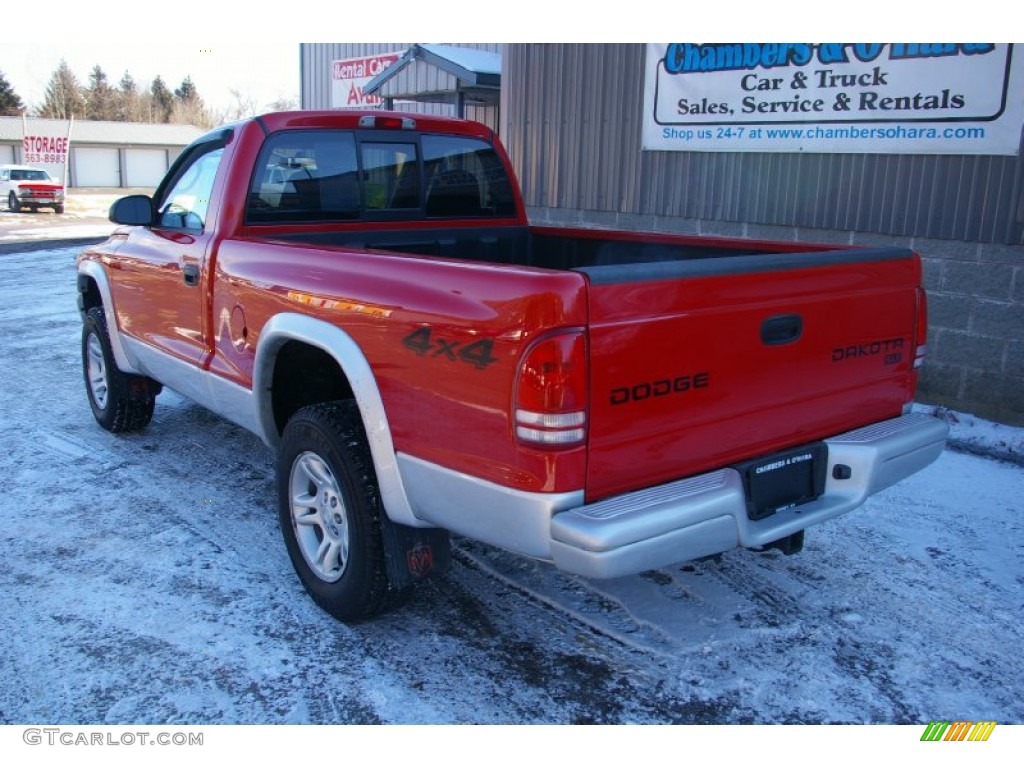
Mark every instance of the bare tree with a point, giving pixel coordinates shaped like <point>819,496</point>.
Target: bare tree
<point>283,104</point>
<point>245,106</point>
<point>191,113</point>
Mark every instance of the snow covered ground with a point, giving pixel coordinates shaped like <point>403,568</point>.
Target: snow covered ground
<point>85,216</point>
<point>144,581</point>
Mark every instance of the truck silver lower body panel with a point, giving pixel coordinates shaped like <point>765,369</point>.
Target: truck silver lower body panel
<point>707,514</point>
<point>671,523</point>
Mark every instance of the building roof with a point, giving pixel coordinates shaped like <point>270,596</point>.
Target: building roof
<point>103,131</point>
<point>475,72</point>
<point>474,61</point>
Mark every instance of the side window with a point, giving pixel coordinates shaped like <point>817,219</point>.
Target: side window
<point>186,204</point>
<point>305,176</point>
<point>465,177</point>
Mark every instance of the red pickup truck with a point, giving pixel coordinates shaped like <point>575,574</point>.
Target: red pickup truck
<point>365,293</point>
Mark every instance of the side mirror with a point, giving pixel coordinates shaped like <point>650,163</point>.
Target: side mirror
<point>134,210</point>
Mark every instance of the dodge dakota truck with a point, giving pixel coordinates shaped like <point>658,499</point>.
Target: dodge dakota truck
<point>365,292</point>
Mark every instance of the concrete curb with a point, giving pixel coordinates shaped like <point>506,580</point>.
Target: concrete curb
<point>979,437</point>
<point>1008,454</point>
<point>26,246</point>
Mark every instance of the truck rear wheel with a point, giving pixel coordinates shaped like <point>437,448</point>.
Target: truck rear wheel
<point>330,510</point>
<point>121,402</point>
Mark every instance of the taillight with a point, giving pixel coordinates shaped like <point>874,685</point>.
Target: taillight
<point>922,329</point>
<point>551,391</point>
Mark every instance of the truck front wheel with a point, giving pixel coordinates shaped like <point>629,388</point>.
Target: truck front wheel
<point>12,202</point>
<point>330,510</point>
<point>121,402</point>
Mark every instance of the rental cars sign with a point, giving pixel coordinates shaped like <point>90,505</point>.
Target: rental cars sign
<point>923,98</point>
<point>350,76</point>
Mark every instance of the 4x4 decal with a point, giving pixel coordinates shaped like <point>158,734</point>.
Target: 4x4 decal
<point>476,353</point>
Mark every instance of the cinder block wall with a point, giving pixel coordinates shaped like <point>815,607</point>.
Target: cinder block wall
<point>976,327</point>
<point>975,299</point>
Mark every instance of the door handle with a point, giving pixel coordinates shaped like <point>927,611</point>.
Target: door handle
<point>782,329</point>
<point>190,273</point>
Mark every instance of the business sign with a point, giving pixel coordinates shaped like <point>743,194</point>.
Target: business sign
<point>350,76</point>
<point>921,98</point>
<point>45,145</point>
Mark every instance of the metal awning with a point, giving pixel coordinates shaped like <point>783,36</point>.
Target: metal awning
<point>441,74</point>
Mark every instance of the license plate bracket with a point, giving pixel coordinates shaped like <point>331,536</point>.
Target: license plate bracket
<point>784,480</point>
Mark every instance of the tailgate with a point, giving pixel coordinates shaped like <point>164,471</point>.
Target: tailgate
<point>700,364</point>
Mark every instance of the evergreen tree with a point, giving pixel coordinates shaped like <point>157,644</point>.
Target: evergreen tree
<point>130,104</point>
<point>63,95</point>
<point>186,92</point>
<point>10,102</point>
<point>163,101</point>
<point>188,106</point>
<point>101,99</point>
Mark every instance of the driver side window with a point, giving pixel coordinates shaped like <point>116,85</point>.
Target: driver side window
<point>186,204</point>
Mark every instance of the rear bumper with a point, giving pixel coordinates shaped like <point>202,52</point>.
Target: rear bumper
<point>707,514</point>
<point>666,524</point>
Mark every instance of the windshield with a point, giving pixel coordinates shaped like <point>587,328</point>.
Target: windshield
<point>30,175</point>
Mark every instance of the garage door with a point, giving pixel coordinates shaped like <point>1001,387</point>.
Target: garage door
<point>6,154</point>
<point>96,167</point>
<point>145,167</point>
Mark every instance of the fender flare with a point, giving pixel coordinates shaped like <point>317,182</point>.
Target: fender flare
<point>290,326</point>
<point>94,270</point>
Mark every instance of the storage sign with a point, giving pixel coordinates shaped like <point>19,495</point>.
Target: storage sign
<point>923,98</point>
<point>350,76</point>
<point>36,150</point>
<point>45,144</point>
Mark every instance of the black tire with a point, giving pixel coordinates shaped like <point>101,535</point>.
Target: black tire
<point>58,209</point>
<point>330,511</point>
<point>12,202</point>
<point>121,402</point>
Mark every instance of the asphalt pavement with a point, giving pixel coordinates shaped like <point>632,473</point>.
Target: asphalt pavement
<point>84,221</point>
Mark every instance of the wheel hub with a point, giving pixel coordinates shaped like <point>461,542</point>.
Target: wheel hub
<point>318,516</point>
<point>97,371</point>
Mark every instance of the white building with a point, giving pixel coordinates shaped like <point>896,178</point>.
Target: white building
<point>102,153</point>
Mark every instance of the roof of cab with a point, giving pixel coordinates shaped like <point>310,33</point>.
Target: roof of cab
<point>278,121</point>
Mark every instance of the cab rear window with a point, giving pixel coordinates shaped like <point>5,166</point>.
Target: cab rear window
<point>325,176</point>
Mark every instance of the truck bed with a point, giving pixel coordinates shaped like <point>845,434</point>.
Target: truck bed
<point>586,250</point>
<point>706,352</point>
